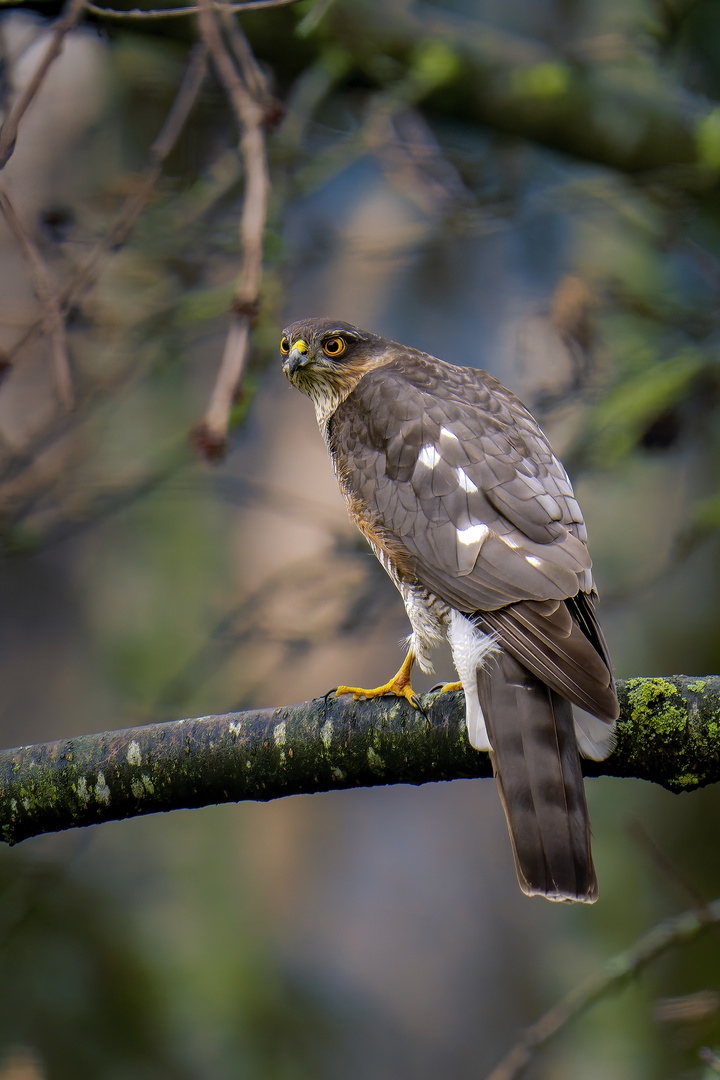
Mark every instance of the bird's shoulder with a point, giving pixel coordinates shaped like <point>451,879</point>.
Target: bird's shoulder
<point>444,429</point>
<point>406,380</point>
<point>452,464</point>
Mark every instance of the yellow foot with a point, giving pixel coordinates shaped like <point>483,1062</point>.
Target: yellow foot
<point>446,688</point>
<point>399,686</point>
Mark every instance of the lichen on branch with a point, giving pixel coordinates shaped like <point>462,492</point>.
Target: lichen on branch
<point>669,733</point>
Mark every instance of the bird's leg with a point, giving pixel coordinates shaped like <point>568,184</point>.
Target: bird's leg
<point>399,686</point>
<point>446,688</point>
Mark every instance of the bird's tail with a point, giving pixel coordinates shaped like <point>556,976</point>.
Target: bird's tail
<point>537,769</point>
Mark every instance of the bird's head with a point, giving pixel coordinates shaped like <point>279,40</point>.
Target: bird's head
<point>325,359</point>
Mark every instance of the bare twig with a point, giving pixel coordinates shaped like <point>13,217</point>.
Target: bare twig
<point>615,974</point>
<point>252,72</point>
<point>174,13</point>
<point>211,434</point>
<point>134,204</point>
<point>686,1009</point>
<point>9,129</point>
<point>709,1058</point>
<point>47,294</point>
<point>313,17</point>
<point>58,427</point>
<point>166,139</point>
<point>411,158</point>
<point>80,514</point>
<point>669,868</point>
<point>57,306</point>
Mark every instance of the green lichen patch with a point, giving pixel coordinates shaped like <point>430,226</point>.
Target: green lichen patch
<point>375,762</point>
<point>667,734</point>
<point>102,791</point>
<point>684,782</point>
<point>657,708</point>
<point>654,714</point>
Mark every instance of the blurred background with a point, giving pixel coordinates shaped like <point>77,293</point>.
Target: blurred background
<point>531,187</point>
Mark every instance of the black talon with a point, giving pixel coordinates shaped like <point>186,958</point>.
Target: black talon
<point>420,707</point>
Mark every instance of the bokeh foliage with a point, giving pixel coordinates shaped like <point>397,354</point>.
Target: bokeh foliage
<point>602,118</point>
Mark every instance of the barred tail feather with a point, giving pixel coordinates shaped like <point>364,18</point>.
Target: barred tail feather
<point>537,770</point>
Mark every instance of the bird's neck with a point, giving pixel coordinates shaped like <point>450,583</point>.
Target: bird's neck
<point>328,392</point>
<point>326,402</point>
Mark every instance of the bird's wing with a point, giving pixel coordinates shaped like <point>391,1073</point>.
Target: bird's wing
<point>451,466</point>
<point>454,466</point>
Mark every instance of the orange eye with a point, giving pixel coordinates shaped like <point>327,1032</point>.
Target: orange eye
<point>284,346</point>
<point>334,346</point>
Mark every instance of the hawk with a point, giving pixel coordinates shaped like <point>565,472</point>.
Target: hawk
<point>464,503</point>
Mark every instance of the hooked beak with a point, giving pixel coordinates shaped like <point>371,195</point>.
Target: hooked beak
<point>297,358</point>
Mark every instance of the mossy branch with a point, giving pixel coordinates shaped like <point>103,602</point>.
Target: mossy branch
<point>521,87</point>
<point>669,732</point>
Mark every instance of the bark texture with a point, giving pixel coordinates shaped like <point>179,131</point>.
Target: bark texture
<point>669,733</point>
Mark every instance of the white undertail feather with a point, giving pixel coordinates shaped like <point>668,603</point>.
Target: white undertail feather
<point>470,649</point>
<point>595,738</point>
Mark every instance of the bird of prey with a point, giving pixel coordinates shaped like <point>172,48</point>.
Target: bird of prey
<point>464,503</point>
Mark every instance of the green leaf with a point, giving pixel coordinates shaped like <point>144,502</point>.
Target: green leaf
<point>706,516</point>
<point>619,420</point>
<point>313,14</point>
<point>548,80</point>
<point>199,305</point>
<point>433,63</point>
<point>241,407</point>
<point>707,138</point>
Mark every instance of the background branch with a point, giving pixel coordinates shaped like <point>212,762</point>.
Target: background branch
<point>9,129</point>
<point>614,975</point>
<point>47,294</point>
<point>181,12</point>
<point>248,97</point>
<point>668,733</point>
<point>118,232</point>
<point>166,139</point>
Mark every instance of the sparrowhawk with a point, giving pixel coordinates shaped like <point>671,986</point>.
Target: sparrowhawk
<point>471,514</point>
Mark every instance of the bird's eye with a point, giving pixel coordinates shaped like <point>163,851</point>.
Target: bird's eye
<point>334,346</point>
<point>284,346</point>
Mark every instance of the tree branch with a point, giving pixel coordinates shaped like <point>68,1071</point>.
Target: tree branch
<point>11,124</point>
<point>134,204</point>
<point>247,93</point>
<point>558,97</point>
<point>47,294</point>
<point>615,974</point>
<point>119,231</point>
<point>181,12</point>
<point>669,732</point>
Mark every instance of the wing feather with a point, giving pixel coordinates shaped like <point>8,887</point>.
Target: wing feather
<point>451,464</point>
